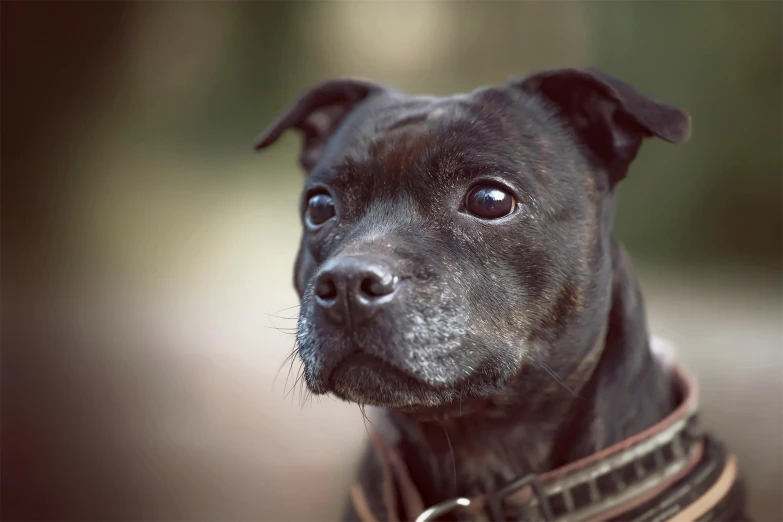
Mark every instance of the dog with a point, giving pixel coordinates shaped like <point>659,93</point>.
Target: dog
<point>458,270</point>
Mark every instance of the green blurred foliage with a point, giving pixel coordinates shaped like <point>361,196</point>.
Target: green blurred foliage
<point>200,80</point>
<point>718,198</point>
<point>714,200</point>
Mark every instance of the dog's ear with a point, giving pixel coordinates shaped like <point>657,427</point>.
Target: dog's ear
<point>317,114</point>
<point>611,117</point>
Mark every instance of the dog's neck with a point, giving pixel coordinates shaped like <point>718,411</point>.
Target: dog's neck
<point>482,450</point>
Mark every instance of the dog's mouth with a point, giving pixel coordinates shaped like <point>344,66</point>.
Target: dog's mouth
<point>367,379</point>
<point>365,362</point>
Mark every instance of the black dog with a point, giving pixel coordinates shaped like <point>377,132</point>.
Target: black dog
<point>457,268</point>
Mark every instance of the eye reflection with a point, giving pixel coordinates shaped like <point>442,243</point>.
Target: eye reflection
<point>320,208</point>
<point>489,202</point>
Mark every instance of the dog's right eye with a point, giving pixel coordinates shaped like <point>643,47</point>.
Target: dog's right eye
<point>490,202</point>
<point>320,208</point>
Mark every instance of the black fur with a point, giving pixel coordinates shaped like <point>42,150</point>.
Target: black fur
<point>522,340</point>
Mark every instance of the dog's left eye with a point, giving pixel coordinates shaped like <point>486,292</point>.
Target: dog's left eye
<point>490,202</point>
<point>320,208</point>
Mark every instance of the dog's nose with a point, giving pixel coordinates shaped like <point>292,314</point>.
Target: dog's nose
<point>355,285</point>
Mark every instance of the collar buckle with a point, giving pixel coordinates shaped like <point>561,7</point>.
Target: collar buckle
<point>495,502</point>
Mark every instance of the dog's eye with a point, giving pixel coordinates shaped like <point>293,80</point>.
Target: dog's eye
<point>320,208</point>
<point>490,202</point>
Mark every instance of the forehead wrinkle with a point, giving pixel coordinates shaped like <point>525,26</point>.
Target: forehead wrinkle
<point>419,150</point>
<point>438,157</point>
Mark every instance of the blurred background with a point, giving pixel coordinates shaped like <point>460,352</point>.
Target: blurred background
<point>148,252</point>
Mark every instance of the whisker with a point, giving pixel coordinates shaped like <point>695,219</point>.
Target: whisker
<point>557,378</point>
<point>453,457</point>
<point>286,331</point>
<point>289,308</point>
<point>292,359</point>
<point>295,384</point>
<point>365,419</point>
<point>301,383</point>
<point>308,395</point>
<point>289,358</point>
<point>280,316</point>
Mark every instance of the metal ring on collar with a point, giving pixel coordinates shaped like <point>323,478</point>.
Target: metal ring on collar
<point>442,508</point>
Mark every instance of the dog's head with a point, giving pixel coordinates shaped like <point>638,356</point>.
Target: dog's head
<point>450,244</point>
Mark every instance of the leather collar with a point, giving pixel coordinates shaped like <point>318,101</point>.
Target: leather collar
<point>638,478</point>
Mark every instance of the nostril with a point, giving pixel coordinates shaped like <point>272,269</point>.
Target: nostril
<point>375,286</point>
<point>326,289</point>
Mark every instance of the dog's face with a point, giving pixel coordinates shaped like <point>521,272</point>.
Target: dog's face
<point>451,244</point>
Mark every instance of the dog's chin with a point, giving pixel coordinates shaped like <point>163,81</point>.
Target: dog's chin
<point>369,380</point>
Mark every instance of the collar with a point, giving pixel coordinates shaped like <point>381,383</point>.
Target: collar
<point>666,472</point>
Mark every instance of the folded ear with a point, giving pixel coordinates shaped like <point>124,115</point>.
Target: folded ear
<point>318,113</point>
<point>611,117</point>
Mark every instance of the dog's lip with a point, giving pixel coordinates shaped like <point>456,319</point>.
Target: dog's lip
<point>358,359</point>
<point>368,374</point>
<point>368,379</point>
